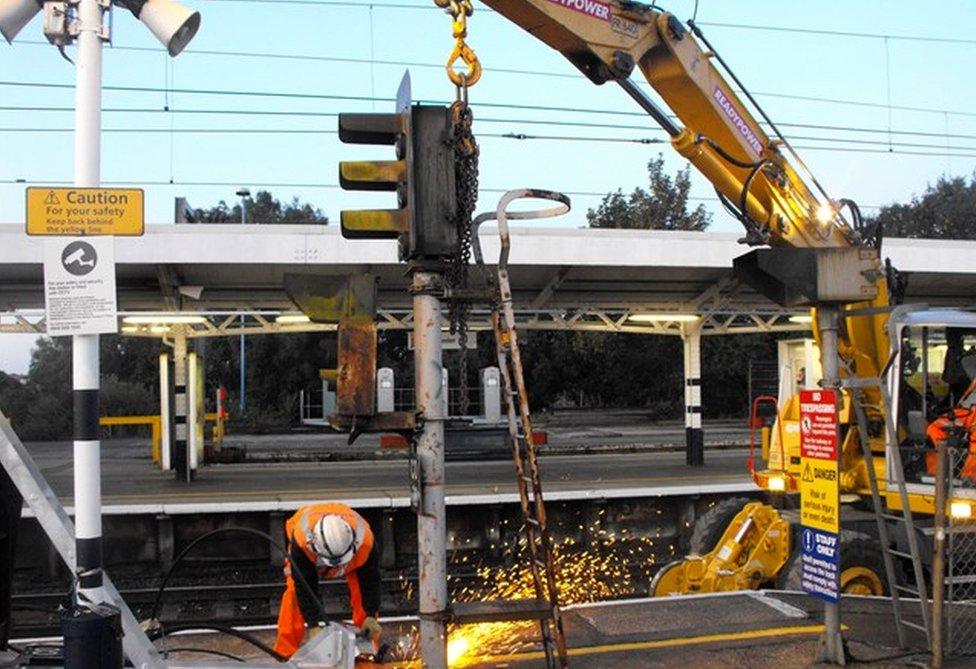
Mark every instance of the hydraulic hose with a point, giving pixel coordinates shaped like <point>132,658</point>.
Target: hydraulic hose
<point>241,530</point>
<point>225,629</point>
<point>230,630</point>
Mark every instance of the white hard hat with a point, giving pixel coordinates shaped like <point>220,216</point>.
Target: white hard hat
<point>333,540</point>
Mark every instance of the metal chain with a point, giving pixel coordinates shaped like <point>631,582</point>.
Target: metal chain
<point>465,175</point>
<point>466,188</point>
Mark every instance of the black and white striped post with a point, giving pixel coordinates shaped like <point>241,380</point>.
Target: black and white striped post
<point>181,454</point>
<point>84,348</point>
<point>87,466</point>
<point>694,436</point>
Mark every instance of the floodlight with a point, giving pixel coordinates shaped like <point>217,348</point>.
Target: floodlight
<point>173,24</point>
<point>825,214</point>
<point>801,319</point>
<point>15,14</point>
<point>663,318</point>
<point>164,319</point>
<point>287,319</point>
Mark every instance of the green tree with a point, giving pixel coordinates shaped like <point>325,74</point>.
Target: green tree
<point>664,206</point>
<point>263,209</point>
<point>946,210</point>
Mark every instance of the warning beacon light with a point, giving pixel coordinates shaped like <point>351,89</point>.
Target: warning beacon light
<point>173,24</point>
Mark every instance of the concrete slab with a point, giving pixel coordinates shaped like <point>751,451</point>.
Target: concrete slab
<point>133,485</point>
<point>724,631</point>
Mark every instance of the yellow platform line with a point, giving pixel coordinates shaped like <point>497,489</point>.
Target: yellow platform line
<point>660,643</point>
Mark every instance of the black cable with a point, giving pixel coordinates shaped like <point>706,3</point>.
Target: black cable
<point>186,649</point>
<point>726,155</point>
<point>746,186</point>
<point>729,207</point>
<point>224,629</point>
<point>243,530</point>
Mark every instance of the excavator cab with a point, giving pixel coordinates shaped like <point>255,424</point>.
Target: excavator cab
<point>934,394</point>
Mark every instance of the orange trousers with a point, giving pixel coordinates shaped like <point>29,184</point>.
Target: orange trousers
<point>291,622</point>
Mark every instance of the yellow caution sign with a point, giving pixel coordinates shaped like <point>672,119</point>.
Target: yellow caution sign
<point>819,501</point>
<point>85,211</point>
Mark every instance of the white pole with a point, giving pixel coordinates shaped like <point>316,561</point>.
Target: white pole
<point>84,350</point>
<point>432,519</point>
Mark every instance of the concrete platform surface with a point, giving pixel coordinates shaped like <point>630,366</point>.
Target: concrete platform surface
<point>757,630</point>
<point>133,485</point>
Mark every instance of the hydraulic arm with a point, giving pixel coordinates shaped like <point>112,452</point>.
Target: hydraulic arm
<point>607,41</point>
<point>815,256</point>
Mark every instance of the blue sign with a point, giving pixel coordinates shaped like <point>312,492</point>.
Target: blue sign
<point>820,556</point>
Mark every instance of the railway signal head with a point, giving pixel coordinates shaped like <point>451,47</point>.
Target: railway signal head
<point>422,175</point>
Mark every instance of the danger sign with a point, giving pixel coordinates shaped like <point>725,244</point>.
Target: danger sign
<point>85,211</point>
<point>819,472</point>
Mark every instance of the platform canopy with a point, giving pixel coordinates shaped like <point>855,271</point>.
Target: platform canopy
<point>574,279</point>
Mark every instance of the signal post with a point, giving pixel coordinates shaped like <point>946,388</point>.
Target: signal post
<point>423,176</point>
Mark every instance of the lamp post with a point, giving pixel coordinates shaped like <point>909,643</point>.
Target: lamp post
<point>174,25</point>
<point>244,194</point>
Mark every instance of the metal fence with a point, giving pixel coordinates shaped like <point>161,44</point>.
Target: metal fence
<point>403,400</point>
<point>959,608</point>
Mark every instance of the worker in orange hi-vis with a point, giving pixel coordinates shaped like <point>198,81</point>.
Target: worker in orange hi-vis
<point>330,540</point>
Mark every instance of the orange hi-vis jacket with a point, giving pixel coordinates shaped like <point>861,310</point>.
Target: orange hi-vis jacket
<point>302,556</point>
<point>938,430</point>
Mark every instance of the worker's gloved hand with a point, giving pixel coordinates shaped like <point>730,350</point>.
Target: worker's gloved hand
<point>371,628</point>
<point>313,631</point>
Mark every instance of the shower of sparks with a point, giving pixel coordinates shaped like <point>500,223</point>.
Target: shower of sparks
<point>610,566</point>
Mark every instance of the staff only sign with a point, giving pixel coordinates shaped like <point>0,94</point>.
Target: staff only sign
<point>819,494</point>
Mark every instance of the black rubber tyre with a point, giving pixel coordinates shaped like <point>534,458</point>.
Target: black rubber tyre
<point>712,524</point>
<point>858,552</point>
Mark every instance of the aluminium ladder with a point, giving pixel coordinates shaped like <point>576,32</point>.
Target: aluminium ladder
<point>882,514</point>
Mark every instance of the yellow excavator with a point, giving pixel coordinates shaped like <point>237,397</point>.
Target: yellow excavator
<point>814,251</point>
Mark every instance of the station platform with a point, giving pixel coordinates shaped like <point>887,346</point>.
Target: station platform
<point>739,630</point>
<point>132,485</point>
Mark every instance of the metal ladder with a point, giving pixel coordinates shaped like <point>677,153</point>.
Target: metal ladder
<point>538,540</point>
<point>882,515</point>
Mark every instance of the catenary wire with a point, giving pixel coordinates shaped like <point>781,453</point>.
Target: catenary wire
<point>304,185</point>
<point>500,105</point>
<point>953,151</point>
<point>714,24</point>
<point>567,75</point>
<point>545,122</point>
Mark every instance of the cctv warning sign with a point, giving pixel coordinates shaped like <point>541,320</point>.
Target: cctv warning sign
<point>85,211</point>
<point>79,286</point>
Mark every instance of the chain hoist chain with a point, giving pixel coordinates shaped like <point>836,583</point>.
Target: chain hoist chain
<point>465,174</point>
<point>466,187</point>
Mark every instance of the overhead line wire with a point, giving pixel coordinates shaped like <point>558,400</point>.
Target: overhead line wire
<point>329,186</point>
<point>481,119</point>
<point>566,75</point>
<point>498,105</point>
<point>953,151</point>
<point>712,24</point>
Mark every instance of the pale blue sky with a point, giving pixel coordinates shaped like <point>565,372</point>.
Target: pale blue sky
<point>870,71</point>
